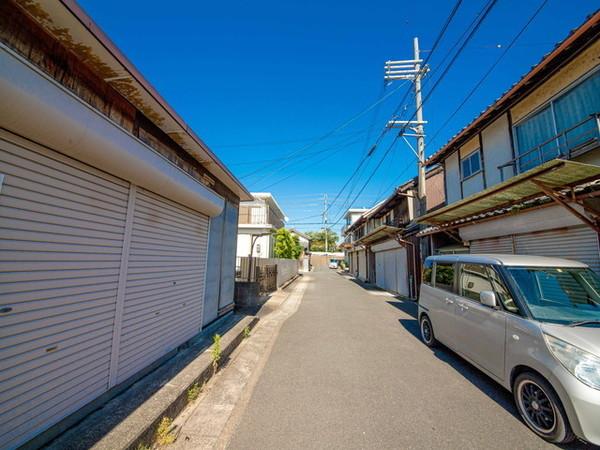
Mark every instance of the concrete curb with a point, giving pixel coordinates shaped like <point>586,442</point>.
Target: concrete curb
<point>290,281</point>
<point>168,398</point>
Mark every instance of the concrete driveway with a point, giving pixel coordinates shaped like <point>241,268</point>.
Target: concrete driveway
<point>348,371</point>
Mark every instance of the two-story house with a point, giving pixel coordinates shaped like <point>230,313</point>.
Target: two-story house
<point>384,248</point>
<point>258,220</point>
<point>524,176</point>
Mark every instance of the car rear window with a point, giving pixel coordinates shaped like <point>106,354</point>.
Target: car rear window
<point>444,276</point>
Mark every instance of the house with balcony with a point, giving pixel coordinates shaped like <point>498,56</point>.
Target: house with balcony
<point>259,218</point>
<point>524,176</point>
<point>384,247</point>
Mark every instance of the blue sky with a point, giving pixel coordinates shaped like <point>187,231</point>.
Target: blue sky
<point>260,81</point>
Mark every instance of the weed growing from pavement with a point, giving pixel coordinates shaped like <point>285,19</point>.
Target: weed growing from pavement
<point>246,332</point>
<point>164,435</point>
<point>194,392</point>
<point>142,447</point>
<point>216,351</point>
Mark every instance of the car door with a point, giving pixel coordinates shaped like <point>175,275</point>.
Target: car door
<point>443,300</point>
<point>481,330</point>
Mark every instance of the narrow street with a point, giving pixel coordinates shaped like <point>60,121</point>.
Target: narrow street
<point>348,371</point>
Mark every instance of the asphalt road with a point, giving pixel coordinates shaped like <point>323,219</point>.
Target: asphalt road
<point>348,371</point>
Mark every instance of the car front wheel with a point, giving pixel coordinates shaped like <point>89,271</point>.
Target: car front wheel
<point>541,409</point>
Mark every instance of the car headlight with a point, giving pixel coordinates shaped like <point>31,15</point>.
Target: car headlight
<point>583,365</point>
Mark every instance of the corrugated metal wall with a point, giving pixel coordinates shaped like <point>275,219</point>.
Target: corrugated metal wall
<point>61,233</point>
<point>98,280</point>
<point>577,243</point>
<point>499,245</point>
<point>165,281</point>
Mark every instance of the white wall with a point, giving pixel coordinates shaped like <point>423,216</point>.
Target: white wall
<point>496,150</point>
<point>262,245</point>
<point>452,178</point>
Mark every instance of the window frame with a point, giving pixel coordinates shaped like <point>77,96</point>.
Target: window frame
<point>549,103</point>
<point>468,158</point>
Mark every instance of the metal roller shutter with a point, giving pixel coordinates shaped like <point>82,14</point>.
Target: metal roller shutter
<point>165,281</point>
<point>499,245</point>
<point>61,234</point>
<point>392,271</point>
<point>577,243</point>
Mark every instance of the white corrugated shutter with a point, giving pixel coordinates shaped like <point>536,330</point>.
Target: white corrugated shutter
<point>165,281</point>
<point>61,232</point>
<point>402,272</point>
<point>392,271</point>
<point>577,243</point>
<point>380,269</point>
<point>499,245</point>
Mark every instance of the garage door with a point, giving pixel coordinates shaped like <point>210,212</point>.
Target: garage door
<point>499,245</point>
<point>165,281</point>
<point>577,243</point>
<point>61,232</point>
<point>392,271</point>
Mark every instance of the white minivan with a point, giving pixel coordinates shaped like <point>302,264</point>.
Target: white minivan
<point>532,324</point>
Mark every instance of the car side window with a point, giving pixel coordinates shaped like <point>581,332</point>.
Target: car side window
<point>502,292</point>
<point>473,280</point>
<point>444,276</point>
<point>427,272</point>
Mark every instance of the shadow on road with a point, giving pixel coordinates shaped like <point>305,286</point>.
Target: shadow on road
<point>479,379</point>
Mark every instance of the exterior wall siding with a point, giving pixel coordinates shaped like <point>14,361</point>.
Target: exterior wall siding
<point>452,178</point>
<point>497,150</point>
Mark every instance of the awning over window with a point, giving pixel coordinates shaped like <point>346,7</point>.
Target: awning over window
<point>547,179</point>
<point>381,232</point>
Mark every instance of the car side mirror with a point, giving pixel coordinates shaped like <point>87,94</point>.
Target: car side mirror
<point>488,298</point>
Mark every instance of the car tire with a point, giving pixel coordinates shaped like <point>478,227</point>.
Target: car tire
<point>541,409</point>
<point>427,335</point>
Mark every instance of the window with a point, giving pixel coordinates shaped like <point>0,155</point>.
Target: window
<point>471,164</point>
<point>427,271</point>
<point>444,276</point>
<point>563,118</point>
<point>473,280</point>
<point>502,292</point>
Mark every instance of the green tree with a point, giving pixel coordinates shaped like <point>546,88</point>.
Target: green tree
<point>286,245</point>
<point>317,241</point>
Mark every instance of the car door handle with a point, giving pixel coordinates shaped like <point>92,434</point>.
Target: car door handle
<point>449,301</point>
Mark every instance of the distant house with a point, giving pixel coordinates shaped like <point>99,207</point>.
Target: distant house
<point>382,246</point>
<point>259,218</point>
<point>117,223</point>
<point>524,176</point>
<point>303,240</point>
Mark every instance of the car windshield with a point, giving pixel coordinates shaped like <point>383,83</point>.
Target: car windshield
<point>559,294</point>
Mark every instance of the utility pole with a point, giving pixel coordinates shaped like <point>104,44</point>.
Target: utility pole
<point>411,70</point>
<point>325,206</point>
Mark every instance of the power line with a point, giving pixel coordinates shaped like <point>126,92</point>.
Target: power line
<point>487,9</point>
<point>329,133</point>
<point>491,69</point>
<point>437,41</point>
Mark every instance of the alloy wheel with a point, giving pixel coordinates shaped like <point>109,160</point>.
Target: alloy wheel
<point>538,410</point>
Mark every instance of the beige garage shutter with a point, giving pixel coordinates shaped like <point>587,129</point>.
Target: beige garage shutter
<point>577,243</point>
<point>61,233</point>
<point>165,281</point>
<point>499,245</point>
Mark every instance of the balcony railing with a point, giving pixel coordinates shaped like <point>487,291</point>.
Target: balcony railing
<point>569,143</point>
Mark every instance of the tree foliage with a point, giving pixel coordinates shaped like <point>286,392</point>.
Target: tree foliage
<point>317,241</point>
<point>286,245</point>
